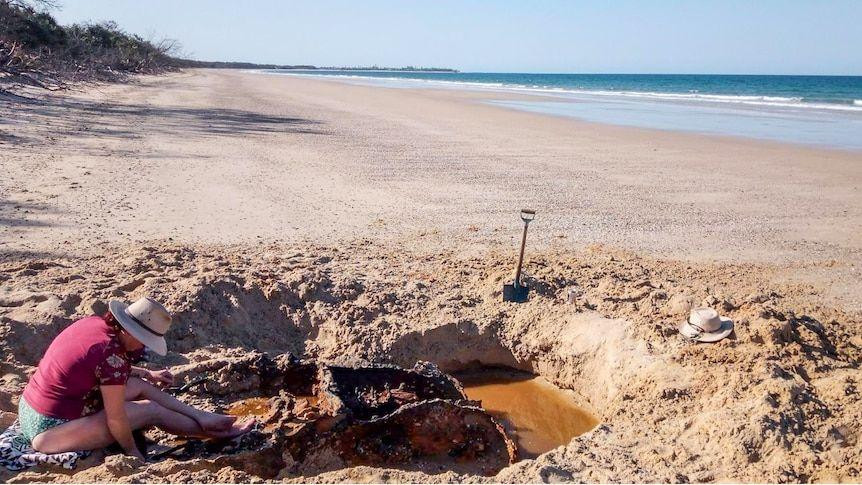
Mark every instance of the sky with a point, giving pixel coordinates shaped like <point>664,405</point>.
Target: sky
<point>621,36</point>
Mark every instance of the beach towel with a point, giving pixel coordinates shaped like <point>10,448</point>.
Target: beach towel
<point>16,453</point>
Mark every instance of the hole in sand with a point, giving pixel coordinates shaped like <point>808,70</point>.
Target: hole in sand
<point>537,415</point>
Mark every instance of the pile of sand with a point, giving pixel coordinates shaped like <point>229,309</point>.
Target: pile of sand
<point>778,401</point>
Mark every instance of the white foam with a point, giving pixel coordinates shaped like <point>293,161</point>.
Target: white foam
<point>694,95</point>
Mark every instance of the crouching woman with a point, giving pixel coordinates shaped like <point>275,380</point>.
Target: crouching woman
<point>86,394</point>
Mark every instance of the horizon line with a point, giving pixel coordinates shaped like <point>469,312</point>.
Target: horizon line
<point>419,68</point>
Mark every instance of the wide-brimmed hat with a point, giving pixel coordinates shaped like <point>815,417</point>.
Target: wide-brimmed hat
<point>146,320</point>
<point>706,325</point>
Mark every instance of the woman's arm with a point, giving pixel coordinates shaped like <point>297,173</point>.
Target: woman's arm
<point>114,398</point>
<point>159,377</point>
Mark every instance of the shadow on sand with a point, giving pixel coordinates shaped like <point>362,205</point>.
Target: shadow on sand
<point>128,121</point>
<point>20,214</point>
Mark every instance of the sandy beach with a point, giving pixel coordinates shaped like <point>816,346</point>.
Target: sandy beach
<point>358,224</point>
<point>239,157</point>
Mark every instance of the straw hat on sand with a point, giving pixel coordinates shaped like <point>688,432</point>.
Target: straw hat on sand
<point>706,325</point>
<point>146,319</point>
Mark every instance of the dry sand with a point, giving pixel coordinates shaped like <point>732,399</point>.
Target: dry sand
<point>359,224</point>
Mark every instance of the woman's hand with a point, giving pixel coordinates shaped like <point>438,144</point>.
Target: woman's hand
<point>162,378</point>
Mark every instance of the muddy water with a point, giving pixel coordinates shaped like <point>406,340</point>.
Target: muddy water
<point>537,415</point>
<point>260,406</point>
<point>255,406</point>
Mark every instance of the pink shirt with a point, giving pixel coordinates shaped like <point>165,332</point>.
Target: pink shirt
<point>84,356</point>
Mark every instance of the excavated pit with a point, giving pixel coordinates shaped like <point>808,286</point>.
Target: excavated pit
<point>775,401</point>
<point>316,418</point>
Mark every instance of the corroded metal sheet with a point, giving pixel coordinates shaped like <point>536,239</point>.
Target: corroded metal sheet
<point>319,418</point>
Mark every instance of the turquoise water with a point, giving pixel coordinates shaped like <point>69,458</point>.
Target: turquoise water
<point>824,91</point>
<point>812,110</point>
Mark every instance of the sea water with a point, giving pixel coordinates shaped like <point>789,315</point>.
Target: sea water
<point>812,110</point>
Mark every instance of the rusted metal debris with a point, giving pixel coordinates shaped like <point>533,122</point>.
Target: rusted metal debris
<point>322,418</point>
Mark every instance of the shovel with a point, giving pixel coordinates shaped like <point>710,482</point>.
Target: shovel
<point>516,291</point>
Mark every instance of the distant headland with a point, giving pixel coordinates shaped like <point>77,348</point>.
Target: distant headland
<point>303,67</point>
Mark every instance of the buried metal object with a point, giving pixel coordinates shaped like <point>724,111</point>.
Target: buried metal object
<point>517,291</point>
<point>175,390</point>
<point>319,418</point>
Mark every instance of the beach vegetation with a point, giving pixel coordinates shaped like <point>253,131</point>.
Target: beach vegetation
<point>35,49</point>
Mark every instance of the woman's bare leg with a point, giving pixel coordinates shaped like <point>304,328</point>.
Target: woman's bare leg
<point>138,389</point>
<point>92,432</point>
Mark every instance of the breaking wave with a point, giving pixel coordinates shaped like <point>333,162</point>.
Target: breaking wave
<point>692,95</point>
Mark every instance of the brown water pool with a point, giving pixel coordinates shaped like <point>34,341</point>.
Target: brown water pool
<point>259,407</point>
<point>537,415</point>
<point>255,406</point>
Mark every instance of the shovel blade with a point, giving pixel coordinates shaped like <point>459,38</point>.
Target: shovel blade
<point>514,293</point>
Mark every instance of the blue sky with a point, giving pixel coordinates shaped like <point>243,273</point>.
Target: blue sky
<point>623,36</point>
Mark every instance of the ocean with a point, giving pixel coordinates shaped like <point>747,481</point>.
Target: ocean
<point>810,110</point>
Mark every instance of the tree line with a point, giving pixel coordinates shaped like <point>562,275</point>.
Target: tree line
<point>35,48</point>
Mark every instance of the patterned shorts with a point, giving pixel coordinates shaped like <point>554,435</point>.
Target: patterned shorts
<point>33,423</point>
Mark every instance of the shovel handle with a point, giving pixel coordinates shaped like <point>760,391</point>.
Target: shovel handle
<point>527,215</point>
